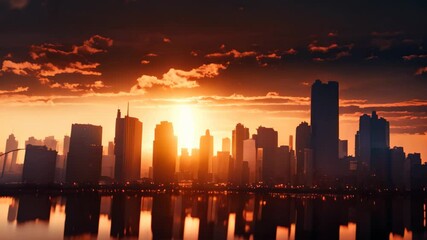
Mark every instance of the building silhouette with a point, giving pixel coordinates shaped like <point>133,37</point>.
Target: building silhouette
<point>127,148</point>
<point>39,165</point>
<point>249,156</point>
<point>372,149</point>
<point>9,160</point>
<point>343,148</point>
<point>108,162</point>
<point>226,145</point>
<point>34,141</point>
<point>240,133</point>
<point>302,141</point>
<point>267,139</point>
<point>164,153</point>
<point>205,156</point>
<point>50,142</point>
<point>85,154</point>
<point>324,129</point>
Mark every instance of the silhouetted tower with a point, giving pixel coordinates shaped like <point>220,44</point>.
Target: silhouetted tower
<point>267,139</point>
<point>324,129</point>
<point>127,148</point>
<point>39,165</point>
<point>206,152</point>
<point>303,141</point>
<point>9,160</point>
<point>85,155</point>
<point>164,153</point>
<point>240,133</point>
<point>372,146</point>
<point>50,142</point>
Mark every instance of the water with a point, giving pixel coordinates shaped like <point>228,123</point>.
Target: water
<point>212,216</point>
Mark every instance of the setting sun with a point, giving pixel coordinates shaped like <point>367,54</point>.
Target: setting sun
<point>184,126</point>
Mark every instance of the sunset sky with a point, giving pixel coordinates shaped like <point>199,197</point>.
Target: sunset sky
<point>210,64</point>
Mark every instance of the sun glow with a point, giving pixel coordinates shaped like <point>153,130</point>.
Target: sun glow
<point>184,127</point>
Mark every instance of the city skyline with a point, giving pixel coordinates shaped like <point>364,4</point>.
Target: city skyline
<point>252,65</point>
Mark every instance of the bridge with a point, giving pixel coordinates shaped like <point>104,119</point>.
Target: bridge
<point>4,162</point>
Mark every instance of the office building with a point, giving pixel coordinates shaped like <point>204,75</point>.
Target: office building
<point>164,153</point>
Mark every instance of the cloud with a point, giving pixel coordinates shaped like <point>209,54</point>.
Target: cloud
<point>291,52</point>
<point>176,78</point>
<point>387,34</point>
<point>17,90</point>
<point>50,70</point>
<point>336,57</point>
<point>151,55</point>
<point>371,57</point>
<point>268,56</point>
<point>332,34</point>
<point>313,47</point>
<point>194,53</point>
<point>95,44</point>
<point>145,62</point>
<point>232,53</point>
<point>18,4</point>
<point>167,40</point>
<point>421,71</point>
<point>19,68</point>
<point>414,56</point>
<point>78,87</point>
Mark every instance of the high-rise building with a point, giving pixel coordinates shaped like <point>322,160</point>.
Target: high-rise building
<point>343,148</point>
<point>66,147</point>
<point>223,159</point>
<point>249,155</point>
<point>164,153</point>
<point>39,165</point>
<point>226,145</point>
<point>283,165</point>
<point>9,160</point>
<point>324,129</point>
<point>85,154</point>
<point>34,141</point>
<point>267,139</point>
<point>240,133</point>
<point>372,146</point>
<point>50,142</point>
<point>185,165</point>
<point>127,148</point>
<point>397,161</point>
<point>108,162</point>
<point>205,156</point>
<point>303,141</point>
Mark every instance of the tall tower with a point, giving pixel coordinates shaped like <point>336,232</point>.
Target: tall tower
<point>324,129</point>
<point>303,141</point>
<point>267,139</point>
<point>85,154</point>
<point>127,148</point>
<point>164,153</point>
<point>239,135</point>
<point>9,161</point>
<point>205,155</point>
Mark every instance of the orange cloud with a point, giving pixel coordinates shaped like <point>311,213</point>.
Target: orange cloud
<point>312,47</point>
<point>414,56</point>
<point>95,44</point>
<point>167,40</point>
<point>50,70</point>
<point>145,62</point>
<point>17,90</point>
<point>176,78</point>
<point>421,71</point>
<point>19,68</point>
<point>232,53</point>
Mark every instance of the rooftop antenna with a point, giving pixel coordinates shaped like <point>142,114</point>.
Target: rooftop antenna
<point>128,110</point>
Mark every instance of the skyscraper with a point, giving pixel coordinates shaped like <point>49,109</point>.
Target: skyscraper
<point>39,165</point>
<point>372,146</point>
<point>303,141</point>
<point>343,148</point>
<point>267,139</point>
<point>127,148</point>
<point>240,133</point>
<point>85,154</point>
<point>324,129</point>
<point>164,153</point>
<point>205,155</point>
<point>9,160</point>
<point>34,141</point>
<point>226,144</point>
<point>50,142</point>
<point>249,155</point>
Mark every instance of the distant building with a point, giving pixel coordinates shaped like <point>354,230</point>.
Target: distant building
<point>342,148</point>
<point>324,130</point>
<point>108,162</point>
<point>127,148</point>
<point>267,139</point>
<point>39,165</point>
<point>205,156</point>
<point>226,145</point>
<point>164,153</point>
<point>282,172</point>
<point>85,155</point>
<point>223,159</point>
<point>50,142</point>
<point>303,141</point>
<point>239,134</point>
<point>397,161</point>
<point>249,155</point>
<point>9,160</point>
<point>34,141</point>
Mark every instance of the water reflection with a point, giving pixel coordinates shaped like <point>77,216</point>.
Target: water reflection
<point>212,216</point>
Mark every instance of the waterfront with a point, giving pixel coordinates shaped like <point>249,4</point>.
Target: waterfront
<point>223,215</point>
